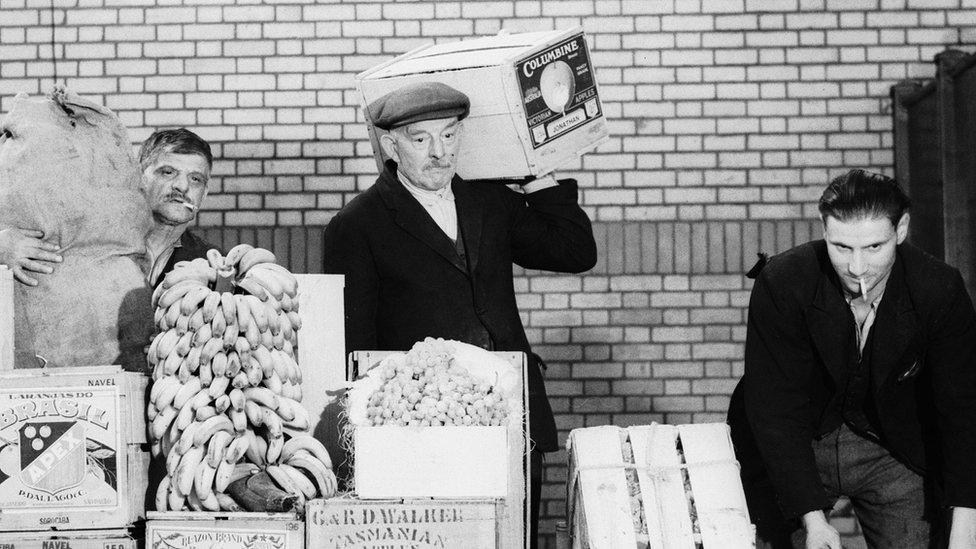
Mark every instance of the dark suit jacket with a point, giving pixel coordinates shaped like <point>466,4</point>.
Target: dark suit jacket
<point>191,247</point>
<point>405,280</point>
<point>923,376</point>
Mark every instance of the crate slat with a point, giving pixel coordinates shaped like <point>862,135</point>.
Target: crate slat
<point>6,319</point>
<point>605,508</point>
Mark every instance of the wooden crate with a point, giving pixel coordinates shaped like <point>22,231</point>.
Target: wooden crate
<point>6,319</point>
<point>71,455</point>
<point>514,128</point>
<point>200,530</point>
<point>85,539</point>
<point>378,476</point>
<point>347,523</point>
<point>602,513</point>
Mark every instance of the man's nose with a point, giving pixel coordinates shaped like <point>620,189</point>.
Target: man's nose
<point>436,148</point>
<point>181,183</point>
<point>855,265</point>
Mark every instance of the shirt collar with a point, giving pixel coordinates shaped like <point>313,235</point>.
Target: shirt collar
<point>427,195</point>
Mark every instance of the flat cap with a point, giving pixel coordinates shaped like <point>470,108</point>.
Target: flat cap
<point>416,102</point>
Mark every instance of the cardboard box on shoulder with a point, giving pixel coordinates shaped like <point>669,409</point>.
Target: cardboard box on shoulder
<point>657,487</point>
<point>71,454</point>
<point>200,530</point>
<point>534,99</point>
<point>87,539</point>
<point>347,523</point>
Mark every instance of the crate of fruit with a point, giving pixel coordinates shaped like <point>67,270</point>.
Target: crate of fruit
<point>349,523</point>
<point>656,486</point>
<point>80,539</point>
<point>70,454</point>
<point>203,530</point>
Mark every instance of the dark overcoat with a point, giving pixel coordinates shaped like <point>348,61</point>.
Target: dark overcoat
<point>405,279</point>
<point>923,373</point>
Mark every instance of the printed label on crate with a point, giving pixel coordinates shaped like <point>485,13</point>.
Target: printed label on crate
<point>377,525</point>
<point>58,448</point>
<point>252,536</point>
<point>558,90</point>
<point>69,543</point>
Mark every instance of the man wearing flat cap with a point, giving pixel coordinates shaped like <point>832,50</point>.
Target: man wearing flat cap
<point>426,253</point>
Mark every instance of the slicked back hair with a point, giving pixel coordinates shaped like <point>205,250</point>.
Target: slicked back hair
<point>861,194</point>
<point>178,141</point>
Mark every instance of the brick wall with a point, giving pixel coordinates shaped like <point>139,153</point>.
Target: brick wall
<point>727,117</point>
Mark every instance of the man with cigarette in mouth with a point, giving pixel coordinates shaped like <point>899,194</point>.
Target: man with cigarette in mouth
<point>860,381</point>
<point>175,167</point>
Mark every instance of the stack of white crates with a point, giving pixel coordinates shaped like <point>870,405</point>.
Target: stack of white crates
<point>447,486</point>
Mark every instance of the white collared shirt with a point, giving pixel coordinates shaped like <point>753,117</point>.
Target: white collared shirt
<point>439,204</point>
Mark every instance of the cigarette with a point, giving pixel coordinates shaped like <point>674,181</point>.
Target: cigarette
<point>864,293</point>
<point>188,206</point>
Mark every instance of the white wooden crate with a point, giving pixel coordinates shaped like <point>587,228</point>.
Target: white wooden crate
<point>602,513</point>
<point>71,455</point>
<point>6,319</point>
<point>84,539</point>
<point>511,131</point>
<point>348,523</point>
<point>201,530</point>
<point>446,461</point>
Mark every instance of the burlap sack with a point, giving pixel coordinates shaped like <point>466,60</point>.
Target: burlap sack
<point>66,168</point>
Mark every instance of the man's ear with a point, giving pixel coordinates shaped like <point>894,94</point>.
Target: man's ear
<point>388,143</point>
<point>902,228</point>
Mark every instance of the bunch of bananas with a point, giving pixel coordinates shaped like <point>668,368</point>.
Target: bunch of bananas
<point>226,396</point>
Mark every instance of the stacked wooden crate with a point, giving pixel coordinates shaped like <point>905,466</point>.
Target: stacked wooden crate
<point>446,486</point>
<point>657,487</point>
<point>72,454</point>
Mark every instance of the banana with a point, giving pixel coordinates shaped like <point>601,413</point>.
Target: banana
<point>158,387</point>
<point>314,468</point>
<point>210,503</point>
<point>262,396</point>
<point>187,469</point>
<point>218,326</point>
<point>211,426</point>
<point>289,347</point>
<point>185,343</point>
<point>309,444</point>
<point>253,257</point>
<point>167,393</point>
<point>203,480</point>
<point>274,322</point>
<point>175,501</point>
<point>240,381</point>
<point>238,419</point>
<point>223,474</point>
<point>172,316</point>
<point>273,382</point>
<point>185,273</point>
<point>238,447</point>
<point>296,321</point>
<point>196,321</point>
<point>230,336</point>
<point>152,353</point>
<point>171,364</point>
<point>219,364</point>
<point>185,417</point>
<point>254,413</point>
<point>183,325</point>
<point>211,306</point>
<point>228,306</point>
<point>267,280</point>
<point>217,447</point>
<point>201,399</point>
<point>203,334</point>
<point>254,373</point>
<point>284,321</point>
<point>286,277</point>
<point>300,480</point>
<point>162,492</point>
<point>284,480</point>
<point>151,412</point>
<point>235,254</point>
<point>253,335</point>
<point>215,260</point>
<point>157,292</point>
<point>265,360</point>
<point>219,386</point>
<point>162,422</point>
<point>172,461</point>
<point>257,449</point>
<point>167,342</point>
<point>176,292</point>
<point>205,373</point>
<point>272,422</point>
<point>183,373</point>
<point>277,341</point>
<point>237,399</point>
<point>234,364</point>
<point>227,503</point>
<point>192,359</point>
<point>258,311</point>
<point>210,349</point>
<point>193,299</point>
<point>205,413</point>
<point>185,442</point>
<point>275,443</point>
<point>186,392</point>
<point>243,313</point>
<point>222,403</point>
<point>286,303</point>
<point>242,346</point>
<point>292,412</point>
<point>252,288</point>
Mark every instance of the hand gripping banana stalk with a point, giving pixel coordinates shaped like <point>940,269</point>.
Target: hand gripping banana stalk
<point>225,401</point>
